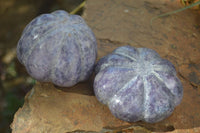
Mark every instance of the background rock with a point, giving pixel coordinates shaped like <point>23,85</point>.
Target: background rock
<point>116,23</point>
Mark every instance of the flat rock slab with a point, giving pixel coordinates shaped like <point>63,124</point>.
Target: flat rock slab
<point>115,23</point>
<point>48,109</point>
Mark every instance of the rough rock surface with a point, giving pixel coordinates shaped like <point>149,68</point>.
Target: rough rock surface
<point>116,23</point>
<point>48,109</point>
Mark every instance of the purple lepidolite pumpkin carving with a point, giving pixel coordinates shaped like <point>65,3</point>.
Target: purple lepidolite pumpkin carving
<point>58,48</point>
<point>137,84</point>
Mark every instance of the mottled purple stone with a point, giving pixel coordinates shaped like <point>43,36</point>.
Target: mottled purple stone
<point>137,84</point>
<point>58,48</point>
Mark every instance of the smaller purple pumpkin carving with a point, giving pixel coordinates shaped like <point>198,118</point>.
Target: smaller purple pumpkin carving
<point>58,48</point>
<point>137,84</point>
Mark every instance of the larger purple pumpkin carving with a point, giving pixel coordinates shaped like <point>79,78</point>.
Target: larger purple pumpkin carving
<point>137,84</point>
<point>58,48</point>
